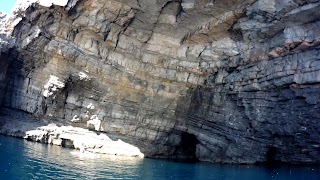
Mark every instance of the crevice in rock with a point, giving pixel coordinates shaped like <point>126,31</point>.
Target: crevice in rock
<point>186,150</point>
<point>271,155</point>
<point>76,10</point>
<point>67,143</point>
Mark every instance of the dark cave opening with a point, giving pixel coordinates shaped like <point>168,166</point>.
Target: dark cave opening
<point>67,143</point>
<point>186,151</point>
<point>270,156</point>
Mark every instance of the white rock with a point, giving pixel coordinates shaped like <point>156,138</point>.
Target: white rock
<point>95,122</point>
<point>83,140</point>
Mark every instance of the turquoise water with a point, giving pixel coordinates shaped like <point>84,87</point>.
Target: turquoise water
<point>21,159</point>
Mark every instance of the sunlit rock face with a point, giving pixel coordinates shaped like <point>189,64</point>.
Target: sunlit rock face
<point>221,81</point>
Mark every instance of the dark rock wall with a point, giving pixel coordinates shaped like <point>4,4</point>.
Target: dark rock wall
<point>279,114</point>
<point>4,63</point>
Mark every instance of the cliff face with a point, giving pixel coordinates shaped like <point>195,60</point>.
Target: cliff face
<point>220,81</point>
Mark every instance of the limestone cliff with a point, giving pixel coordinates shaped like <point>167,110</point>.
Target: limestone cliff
<point>228,81</point>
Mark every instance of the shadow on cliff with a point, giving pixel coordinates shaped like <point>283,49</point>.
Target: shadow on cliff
<point>181,143</point>
<point>263,126</point>
<point>4,63</point>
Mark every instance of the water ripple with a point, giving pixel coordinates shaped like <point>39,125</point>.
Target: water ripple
<point>27,160</point>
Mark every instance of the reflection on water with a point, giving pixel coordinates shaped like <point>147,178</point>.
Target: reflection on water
<point>21,159</point>
<point>54,161</point>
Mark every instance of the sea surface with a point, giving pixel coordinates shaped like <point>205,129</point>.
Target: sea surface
<point>21,159</point>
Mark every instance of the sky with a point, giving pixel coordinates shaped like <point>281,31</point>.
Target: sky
<point>6,5</point>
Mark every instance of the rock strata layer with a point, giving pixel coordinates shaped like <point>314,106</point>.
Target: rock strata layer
<point>220,81</point>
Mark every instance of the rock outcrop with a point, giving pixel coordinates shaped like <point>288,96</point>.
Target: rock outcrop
<point>20,125</point>
<point>220,81</point>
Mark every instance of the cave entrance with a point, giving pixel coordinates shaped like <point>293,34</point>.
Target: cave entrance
<point>186,151</point>
<point>271,156</point>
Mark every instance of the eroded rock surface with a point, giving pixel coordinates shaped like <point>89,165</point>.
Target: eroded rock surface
<point>220,81</point>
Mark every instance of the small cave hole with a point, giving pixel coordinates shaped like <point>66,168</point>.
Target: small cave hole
<point>67,143</point>
<point>186,151</point>
<point>270,156</point>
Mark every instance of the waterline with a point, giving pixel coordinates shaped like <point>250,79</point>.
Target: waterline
<point>21,159</point>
